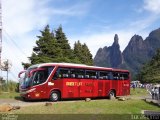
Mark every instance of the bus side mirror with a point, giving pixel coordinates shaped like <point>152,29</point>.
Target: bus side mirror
<point>19,75</point>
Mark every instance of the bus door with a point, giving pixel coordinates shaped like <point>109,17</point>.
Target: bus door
<point>87,87</point>
<point>115,82</point>
<point>68,83</point>
<point>38,82</point>
<point>120,83</point>
<point>125,83</point>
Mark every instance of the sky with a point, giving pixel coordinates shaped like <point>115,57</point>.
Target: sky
<point>94,22</point>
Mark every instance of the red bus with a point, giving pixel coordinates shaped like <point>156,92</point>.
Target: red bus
<point>57,81</point>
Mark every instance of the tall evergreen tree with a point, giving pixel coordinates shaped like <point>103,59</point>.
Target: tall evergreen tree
<point>63,45</point>
<point>87,56</point>
<point>150,73</point>
<point>82,53</point>
<point>45,51</point>
<point>52,47</point>
<point>77,51</point>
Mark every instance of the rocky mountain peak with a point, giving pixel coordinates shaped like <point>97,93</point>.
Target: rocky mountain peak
<point>109,56</point>
<point>134,56</point>
<point>155,33</point>
<point>116,39</point>
<point>135,41</point>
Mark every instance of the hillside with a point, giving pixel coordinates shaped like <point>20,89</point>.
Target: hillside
<point>135,55</point>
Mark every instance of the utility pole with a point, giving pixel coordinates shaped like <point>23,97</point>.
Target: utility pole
<point>0,35</point>
<point>7,69</point>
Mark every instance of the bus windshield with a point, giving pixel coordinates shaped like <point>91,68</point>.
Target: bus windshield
<point>36,76</point>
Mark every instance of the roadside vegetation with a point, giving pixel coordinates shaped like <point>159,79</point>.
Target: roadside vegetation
<point>9,90</point>
<point>138,92</point>
<point>150,73</point>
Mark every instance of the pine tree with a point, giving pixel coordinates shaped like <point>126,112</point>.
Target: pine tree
<point>77,51</point>
<point>63,45</point>
<point>82,53</point>
<point>45,51</point>
<point>52,47</point>
<point>150,73</point>
<point>87,56</point>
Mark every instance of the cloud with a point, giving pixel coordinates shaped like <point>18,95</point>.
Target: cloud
<point>22,20</point>
<point>152,6</point>
<point>143,23</point>
<point>24,16</point>
<point>75,10</point>
<point>95,41</point>
<point>104,35</point>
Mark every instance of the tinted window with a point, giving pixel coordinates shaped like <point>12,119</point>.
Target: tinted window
<point>90,74</point>
<point>116,76</point>
<point>41,76</point>
<point>124,76</point>
<point>63,73</point>
<point>77,73</point>
<point>120,76</point>
<point>103,75</point>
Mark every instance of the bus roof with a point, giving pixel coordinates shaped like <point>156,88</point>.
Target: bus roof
<point>75,65</point>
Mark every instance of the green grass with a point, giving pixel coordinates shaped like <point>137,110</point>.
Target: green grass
<point>8,95</point>
<point>138,92</point>
<point>92,107</point>
<point>97,109</point>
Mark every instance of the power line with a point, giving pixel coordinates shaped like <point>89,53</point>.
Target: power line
<point>16,45</point>
<point>8,42</point>
<point>14,55</point>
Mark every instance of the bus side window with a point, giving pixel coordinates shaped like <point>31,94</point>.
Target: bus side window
<point>62,73</point>
<point>110,75</point>
<point>55,76</point>
<point>79,73</point>
<point>121,76</point>
<point>91,74</point>
<point>73,73</point>
<point>40,77</point>
<point>116,76</point>
<point>103,75</point>
<point>125,76</point>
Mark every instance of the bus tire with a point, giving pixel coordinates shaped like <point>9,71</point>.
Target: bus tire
<point>55,96</point>
<point>111,95</point>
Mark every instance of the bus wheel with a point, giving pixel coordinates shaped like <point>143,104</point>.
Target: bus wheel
<point>55,96</point>
<point>111,95</point>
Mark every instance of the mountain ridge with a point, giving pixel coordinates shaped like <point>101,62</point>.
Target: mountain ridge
<point>133,57</point>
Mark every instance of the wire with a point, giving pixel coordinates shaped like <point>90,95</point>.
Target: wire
<point>16,45</point>
<point>13,55</point>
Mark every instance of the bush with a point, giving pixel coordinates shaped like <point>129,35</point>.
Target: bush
<point>10,87</point>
